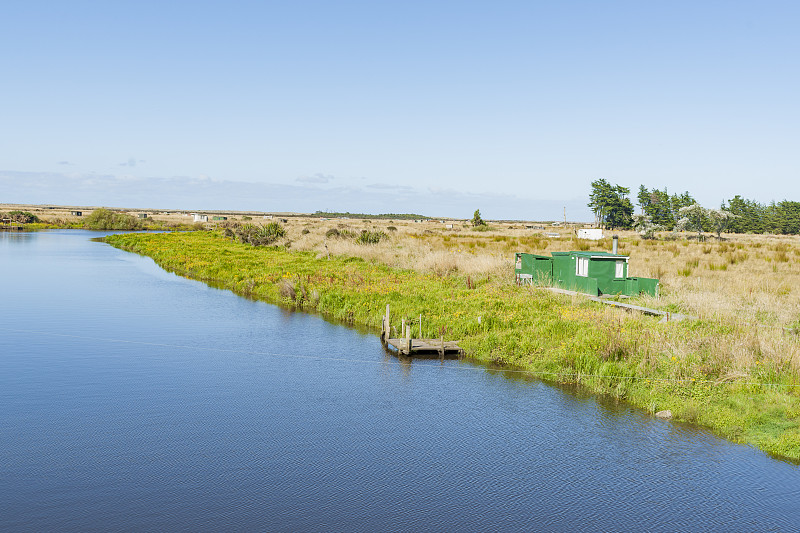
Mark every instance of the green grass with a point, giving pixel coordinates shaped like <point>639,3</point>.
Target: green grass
<point>551,336</point>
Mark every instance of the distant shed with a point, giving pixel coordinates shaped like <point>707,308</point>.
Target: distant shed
<point>591,234</point>
<point>76,213</point>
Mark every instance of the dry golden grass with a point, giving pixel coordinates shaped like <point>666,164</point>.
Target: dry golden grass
<point>750,281</point>
<point>743,278</point>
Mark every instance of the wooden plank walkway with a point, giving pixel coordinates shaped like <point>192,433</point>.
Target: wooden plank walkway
<point>665,316</point>
<point>408,346</point>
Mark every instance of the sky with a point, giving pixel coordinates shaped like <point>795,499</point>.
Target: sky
<point>436,107</point>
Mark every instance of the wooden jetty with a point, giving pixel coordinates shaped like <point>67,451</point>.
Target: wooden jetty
<point>406,345</point>
<point>9,225</point>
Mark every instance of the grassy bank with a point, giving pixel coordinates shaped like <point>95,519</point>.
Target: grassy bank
<point>675,366</point>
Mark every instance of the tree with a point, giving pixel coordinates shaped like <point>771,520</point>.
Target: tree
<point>611,206</point>
<point>751,216</point>
<point>788,217</point>
<point>644,225</point>
<point>678,202</point>
<point>692,219</point>
<point>720,220</point>
<point>657,205</point>
<point>477,220</point>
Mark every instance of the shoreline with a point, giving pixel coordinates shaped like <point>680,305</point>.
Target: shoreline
<point>556,338</point>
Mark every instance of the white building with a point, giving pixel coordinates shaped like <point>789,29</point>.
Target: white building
<point>592,234</point>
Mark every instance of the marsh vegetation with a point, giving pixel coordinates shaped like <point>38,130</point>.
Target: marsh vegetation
<point>735,369</point>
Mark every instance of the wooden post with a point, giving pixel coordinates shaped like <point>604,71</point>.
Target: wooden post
<point>441,350</point>
<point>387,326</point>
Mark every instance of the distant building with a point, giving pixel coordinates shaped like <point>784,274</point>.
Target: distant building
<point>594,234</point>
<point>142,215</point>
<point>76,213</point>
<point>200,218</point>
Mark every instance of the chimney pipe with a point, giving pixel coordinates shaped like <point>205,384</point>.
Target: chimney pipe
<point>615,244</point>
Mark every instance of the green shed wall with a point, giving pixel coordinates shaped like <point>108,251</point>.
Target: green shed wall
<point>538,267</point>
<point>559,271</point>
<point>604,271</point>
<point>563,270</point>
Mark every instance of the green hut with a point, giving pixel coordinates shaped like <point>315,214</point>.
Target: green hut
<point>594,273</point>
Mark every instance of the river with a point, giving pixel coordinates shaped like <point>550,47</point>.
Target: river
<point>134,399</point>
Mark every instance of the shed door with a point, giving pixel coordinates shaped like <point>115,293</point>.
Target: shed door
<point>619,272</point>
<point>582,266</point>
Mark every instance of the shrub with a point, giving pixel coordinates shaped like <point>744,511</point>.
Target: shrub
<point>343,234</point>
<point>370,237</point>
<point>106,219</point>
<point>254,234</point>
<point>22,217</point>
<point>267,234</point>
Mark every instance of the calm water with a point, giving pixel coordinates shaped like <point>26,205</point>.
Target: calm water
<point>132,399</point>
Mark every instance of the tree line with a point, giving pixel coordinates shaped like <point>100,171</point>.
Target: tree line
<point>662,211</point>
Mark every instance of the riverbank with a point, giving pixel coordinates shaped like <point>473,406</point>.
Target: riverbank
<point>673,366</point>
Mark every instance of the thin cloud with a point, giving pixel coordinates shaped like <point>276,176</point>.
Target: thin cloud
<point>316,178</point>
<point>203,192</point>
<point>389,187</point>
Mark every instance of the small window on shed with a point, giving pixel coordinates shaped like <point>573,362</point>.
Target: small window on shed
<point>620,270</point>
<point>582,266</point>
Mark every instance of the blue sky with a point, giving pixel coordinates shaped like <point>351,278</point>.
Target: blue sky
<point>438,108</point>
